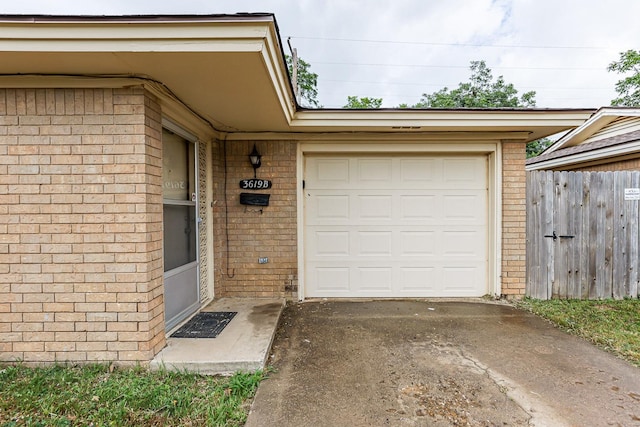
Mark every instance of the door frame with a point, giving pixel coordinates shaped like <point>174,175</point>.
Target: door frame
<point>462,144</point>
<point>191,139</point>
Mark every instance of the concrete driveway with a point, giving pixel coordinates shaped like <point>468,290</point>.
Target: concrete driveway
<point>420,363</point>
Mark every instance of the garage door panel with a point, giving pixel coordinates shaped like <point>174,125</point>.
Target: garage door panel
<point>405,235</point>
<point>467,172</point>
<point>417,243</point>
<point>331,172</point>
<point>374,243</point>
<point>375,172</point>
<point>418,280</point>
<point>462,244</point>
<point>374,279</point>
<point>331,280</point>
<point>470,208</point>
<point>420,172</point>
<point>331,207</point>
<point>376,206</point>
<point>461,281</point>
<point>330,243</point>
<point>417,207</point>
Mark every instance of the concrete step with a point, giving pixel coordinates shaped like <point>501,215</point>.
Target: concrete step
<point>243,345</point>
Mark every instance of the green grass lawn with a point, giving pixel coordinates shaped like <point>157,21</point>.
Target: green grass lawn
<point>613,325</point>
<point>97,395</point>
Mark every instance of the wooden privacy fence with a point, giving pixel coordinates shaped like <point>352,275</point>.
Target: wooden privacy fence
<point>582,234</point>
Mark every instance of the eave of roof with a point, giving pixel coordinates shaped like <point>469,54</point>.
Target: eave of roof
<point>227,69</point>
<point>600,118</point>
<point>619,145</point>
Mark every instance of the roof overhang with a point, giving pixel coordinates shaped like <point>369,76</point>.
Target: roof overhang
<point>593,124</point>
<point>228,71</point>
<point>602,118</point>
<point>228,68</point>
<point>592,157</point>
<point>524,124</point>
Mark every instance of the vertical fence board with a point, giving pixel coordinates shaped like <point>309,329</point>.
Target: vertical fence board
<point>602,260</point>
<point>533,259</point>
<point>585,237</point>
<point>560,222</point>
<point>619,230</point>
<point>575,244</point>
<point>608,237</point>
<point>632,209</point>
<point>546,229</point>
<point>600,225</point>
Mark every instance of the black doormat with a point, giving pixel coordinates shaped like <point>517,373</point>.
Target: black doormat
<point>206,324</point>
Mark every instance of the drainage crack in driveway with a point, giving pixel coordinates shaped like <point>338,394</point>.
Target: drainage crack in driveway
<point>542,416</point>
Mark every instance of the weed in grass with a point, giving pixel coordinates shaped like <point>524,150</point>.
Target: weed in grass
<point>611,324</point>
<point>100,395</point>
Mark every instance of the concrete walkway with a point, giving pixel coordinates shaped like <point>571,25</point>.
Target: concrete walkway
<point>420,363</point>
<point>243,345</point>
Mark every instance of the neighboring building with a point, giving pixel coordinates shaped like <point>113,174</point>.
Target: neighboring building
<point>123,141</point>
<point>608,141</point>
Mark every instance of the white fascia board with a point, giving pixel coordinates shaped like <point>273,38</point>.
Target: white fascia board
<point>589,156</point>
<point>156,36</point>
<point>593,124</point>
<point>439,120</point>
<point>387,137</point>
<point>276,66</point>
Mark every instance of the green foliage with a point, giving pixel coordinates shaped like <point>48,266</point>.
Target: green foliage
<point>628,88</point>
<point>99,395</point>
<point>481,91</point>
<point>364,102</point>
<point>611,324</point>
<point>538,146</point>
<point>307,82</point>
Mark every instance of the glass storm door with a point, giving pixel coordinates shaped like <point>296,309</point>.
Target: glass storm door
<point>181,294</point>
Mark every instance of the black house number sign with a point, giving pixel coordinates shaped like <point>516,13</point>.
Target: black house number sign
<point>255,184</point>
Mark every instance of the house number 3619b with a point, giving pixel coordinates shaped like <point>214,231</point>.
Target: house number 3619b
<point>255,184</point>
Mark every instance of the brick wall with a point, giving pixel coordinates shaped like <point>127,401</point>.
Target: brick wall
<point>253,232</point>
<point>513,219</point>
<point>80,225</point>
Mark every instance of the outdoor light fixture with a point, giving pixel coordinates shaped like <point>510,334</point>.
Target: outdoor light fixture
<point>254,158</point>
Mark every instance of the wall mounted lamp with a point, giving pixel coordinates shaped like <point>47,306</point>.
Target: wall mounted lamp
<point>254,158</point>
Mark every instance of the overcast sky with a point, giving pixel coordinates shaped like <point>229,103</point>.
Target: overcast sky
<point>397,50</point>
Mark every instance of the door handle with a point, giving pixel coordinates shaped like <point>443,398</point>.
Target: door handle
<point>555,237</point>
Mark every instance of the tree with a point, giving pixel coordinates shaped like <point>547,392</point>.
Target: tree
<point>629,87</point>
<point>481,91</point>
<point>364,102</point>
<point>307,82</point>
<point>538,146</point>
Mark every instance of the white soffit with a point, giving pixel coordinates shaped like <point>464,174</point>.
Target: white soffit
<point>534,123</point>
<point>230,71</point>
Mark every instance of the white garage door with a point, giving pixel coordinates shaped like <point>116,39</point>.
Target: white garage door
<point>401,226</point>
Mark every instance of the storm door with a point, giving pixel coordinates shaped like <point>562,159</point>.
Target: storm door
<point>181,294</point>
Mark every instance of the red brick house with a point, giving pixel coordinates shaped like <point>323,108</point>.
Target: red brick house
<point>123,145</point>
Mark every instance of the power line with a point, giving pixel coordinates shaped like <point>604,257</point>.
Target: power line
<point>456,84</point>
<point>449,44</point>
<point>363,64</point>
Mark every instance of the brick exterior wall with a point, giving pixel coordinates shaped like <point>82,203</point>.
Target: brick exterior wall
<point>80,225</point>
<point>252,232</point>
<point>514,182</point>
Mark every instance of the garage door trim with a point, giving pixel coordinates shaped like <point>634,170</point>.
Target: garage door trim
<point>494,200</point>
